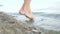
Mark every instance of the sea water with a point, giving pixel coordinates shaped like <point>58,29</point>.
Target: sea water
<point>43,21</point>
<point>48,6</point>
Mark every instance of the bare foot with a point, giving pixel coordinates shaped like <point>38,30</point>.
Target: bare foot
<point>27,12</point>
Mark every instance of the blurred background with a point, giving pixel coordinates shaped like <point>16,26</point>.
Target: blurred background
<point>47,6</point>
<point>46,12</point>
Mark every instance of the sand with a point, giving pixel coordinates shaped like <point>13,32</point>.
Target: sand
<point>14,23</point>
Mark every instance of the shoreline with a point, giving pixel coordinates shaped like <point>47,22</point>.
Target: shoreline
<point>11,25</point>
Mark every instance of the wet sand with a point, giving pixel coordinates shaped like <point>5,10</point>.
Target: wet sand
<point>43,22</point>
<point>10,25</point>
<point>16,24</point>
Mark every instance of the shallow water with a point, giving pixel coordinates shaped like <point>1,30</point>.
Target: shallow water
<point>43,22</point>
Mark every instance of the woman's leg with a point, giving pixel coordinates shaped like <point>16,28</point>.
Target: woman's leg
<point>25,10</point>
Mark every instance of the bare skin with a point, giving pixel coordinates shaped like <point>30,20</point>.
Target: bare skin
<point>25,10</point>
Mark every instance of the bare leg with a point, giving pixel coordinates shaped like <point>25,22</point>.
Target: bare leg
<point>25,10</point>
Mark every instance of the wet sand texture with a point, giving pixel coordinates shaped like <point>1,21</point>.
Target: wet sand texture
<point>9,25</point>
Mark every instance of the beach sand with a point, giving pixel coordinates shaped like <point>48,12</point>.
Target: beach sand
<point>14,23</point>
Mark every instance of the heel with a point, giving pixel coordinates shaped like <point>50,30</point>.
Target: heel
<point>21,13</point>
